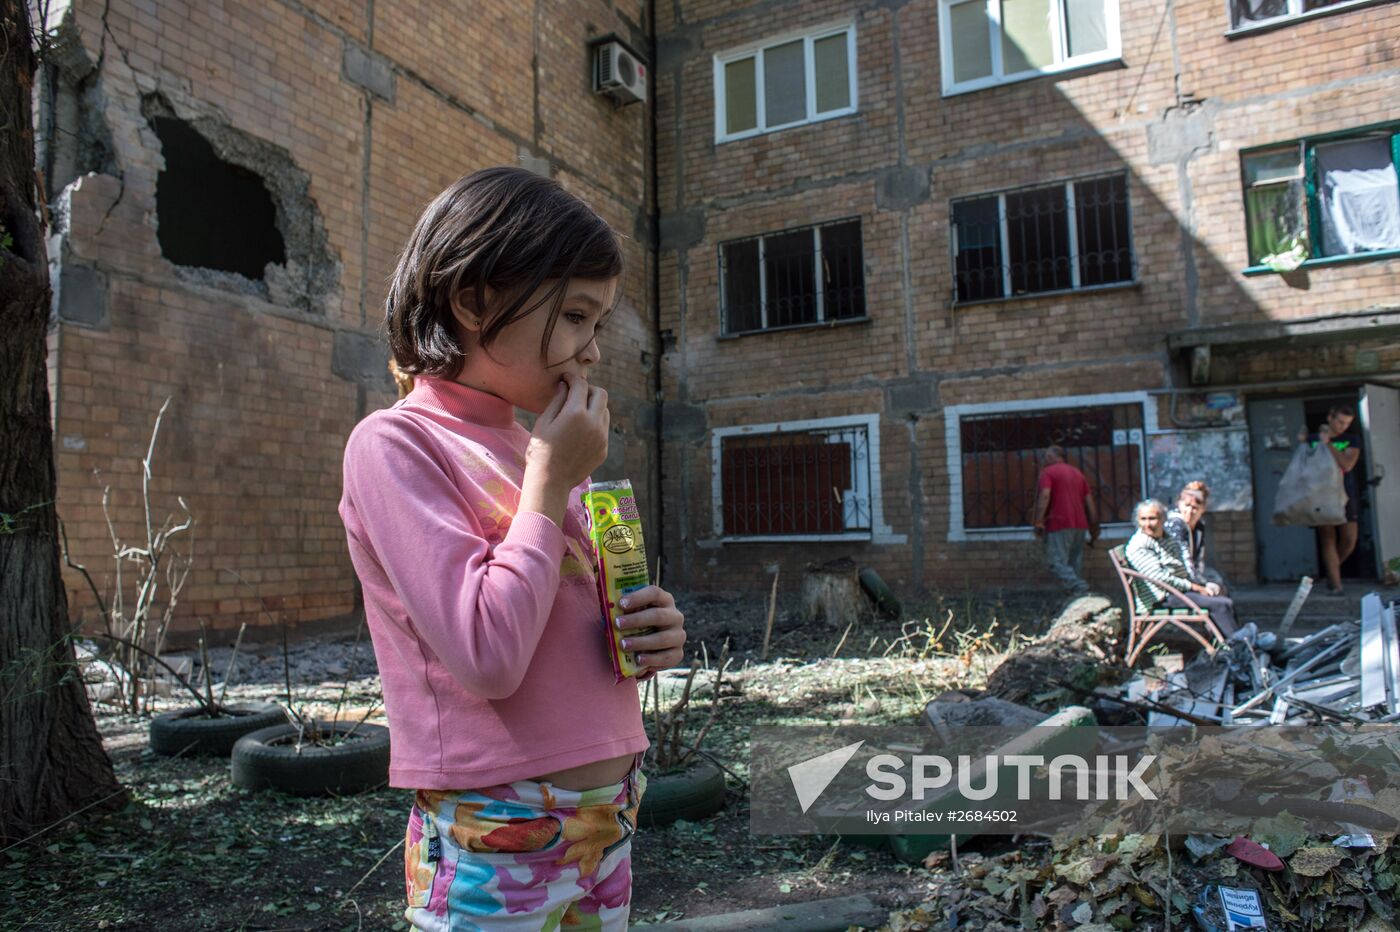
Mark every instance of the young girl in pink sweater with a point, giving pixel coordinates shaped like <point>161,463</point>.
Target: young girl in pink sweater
<point>479,579</point>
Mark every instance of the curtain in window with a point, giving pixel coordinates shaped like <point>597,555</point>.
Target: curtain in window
<point>785,83</point>
<point>1276,225</point>
<point>1257,11</point>
<point>833,73</point>
<point>1359,197</point>
<point>1084,21</point>
<point>1025,35</point>
<point>740,96</point>
<point>972,42</point>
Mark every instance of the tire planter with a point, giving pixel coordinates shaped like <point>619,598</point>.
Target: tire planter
<point>191,732</point>
<point>691,795</point>
<point>269,760</point>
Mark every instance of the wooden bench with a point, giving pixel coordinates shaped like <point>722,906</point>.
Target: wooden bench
<point>1143,627</point>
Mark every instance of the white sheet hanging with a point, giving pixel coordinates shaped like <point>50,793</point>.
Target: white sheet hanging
<point>1360,196</point>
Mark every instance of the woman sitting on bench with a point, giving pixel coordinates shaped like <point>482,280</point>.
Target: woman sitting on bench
<point>1155,555</point>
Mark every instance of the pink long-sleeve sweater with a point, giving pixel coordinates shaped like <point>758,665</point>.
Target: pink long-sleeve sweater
<point>485,621</point>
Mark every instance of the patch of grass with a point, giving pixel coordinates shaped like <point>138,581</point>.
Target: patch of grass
<point>192,852</point>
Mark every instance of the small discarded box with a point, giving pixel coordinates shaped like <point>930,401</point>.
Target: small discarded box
<point>1224,909</point>
<point>616,529</point>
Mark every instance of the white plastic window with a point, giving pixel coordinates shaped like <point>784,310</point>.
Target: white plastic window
<point>785,82</point>
<point>991,42</point>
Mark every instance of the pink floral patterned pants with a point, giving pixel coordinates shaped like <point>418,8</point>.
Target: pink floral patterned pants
<point>522,856</point>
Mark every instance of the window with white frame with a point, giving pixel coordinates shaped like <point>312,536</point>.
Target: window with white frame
<point>1059,237</point>
<point>798,277</point>
<point>785,82</point>
<point>999,464</point>
<point>1322,198</point>
<point>990,42</point>
<point>803,479</point>
<point>1245,14</point>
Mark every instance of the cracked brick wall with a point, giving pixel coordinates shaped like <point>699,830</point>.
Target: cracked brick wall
<point>353,115</point>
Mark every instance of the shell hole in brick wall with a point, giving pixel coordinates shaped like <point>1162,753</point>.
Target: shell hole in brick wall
<point>212,214</point>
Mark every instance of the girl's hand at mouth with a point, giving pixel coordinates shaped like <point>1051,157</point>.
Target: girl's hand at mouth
<point>569,441</point>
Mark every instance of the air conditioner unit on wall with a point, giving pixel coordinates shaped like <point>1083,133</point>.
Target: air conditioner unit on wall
<point>618,71</point>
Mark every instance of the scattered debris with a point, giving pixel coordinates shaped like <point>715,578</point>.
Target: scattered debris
<point>1224,909</point>
<point>1254,854</point>
<point>1346,673</point>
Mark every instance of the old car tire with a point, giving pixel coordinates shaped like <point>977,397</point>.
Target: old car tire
<point>269,760</point>
<point>691,795</point>
<point>190,732</point>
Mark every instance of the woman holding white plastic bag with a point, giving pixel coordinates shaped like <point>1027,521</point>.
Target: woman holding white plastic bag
<point>1320,490</point>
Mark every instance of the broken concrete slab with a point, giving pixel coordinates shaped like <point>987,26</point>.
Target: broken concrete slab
<point>831,915</point>
<point>988,711</point>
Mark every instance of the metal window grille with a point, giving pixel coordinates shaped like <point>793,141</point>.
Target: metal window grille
<point>1000,464</point>
<point>804,276</point>
<point>796,483</point>
<point>1052,238</point>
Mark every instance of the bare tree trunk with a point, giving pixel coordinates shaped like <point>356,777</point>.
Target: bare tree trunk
<point>51,757</point>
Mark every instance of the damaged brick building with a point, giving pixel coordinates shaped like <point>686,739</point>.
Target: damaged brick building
<point>878,253</point>
<point>230,184</point>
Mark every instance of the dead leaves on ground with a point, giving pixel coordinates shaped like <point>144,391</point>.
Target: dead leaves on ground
<point>1112,883</point>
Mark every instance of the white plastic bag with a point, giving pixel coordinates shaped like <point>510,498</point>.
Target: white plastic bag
<point>1312,492</point>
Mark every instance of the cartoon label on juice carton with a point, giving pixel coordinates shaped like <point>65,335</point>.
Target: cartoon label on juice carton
<point>616,529</point>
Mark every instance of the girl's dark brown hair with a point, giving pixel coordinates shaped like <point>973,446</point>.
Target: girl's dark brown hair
<point>506,229</point>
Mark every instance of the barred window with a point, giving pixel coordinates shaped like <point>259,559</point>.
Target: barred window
<point>795,483</point>
<point>1053,238</point>
<point>1000,465</point>
<point>794,278</point>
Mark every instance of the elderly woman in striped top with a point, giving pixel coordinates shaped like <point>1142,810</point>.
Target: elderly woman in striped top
<point>1157,556</point>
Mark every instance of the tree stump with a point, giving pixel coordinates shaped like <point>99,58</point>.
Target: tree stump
<point>831,593</point>
<point>1081,641</point>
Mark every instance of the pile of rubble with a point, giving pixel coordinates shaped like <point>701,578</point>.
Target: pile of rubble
<point>1346,673</point>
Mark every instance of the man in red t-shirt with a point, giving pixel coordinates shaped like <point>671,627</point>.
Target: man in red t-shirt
<point>1064,511</point>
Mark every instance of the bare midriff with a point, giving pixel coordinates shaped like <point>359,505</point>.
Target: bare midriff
<point>589,776</point>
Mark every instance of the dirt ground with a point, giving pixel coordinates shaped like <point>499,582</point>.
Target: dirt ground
<point>190,851</point>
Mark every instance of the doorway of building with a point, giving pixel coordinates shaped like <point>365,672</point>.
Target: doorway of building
<point>1285,553</point>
